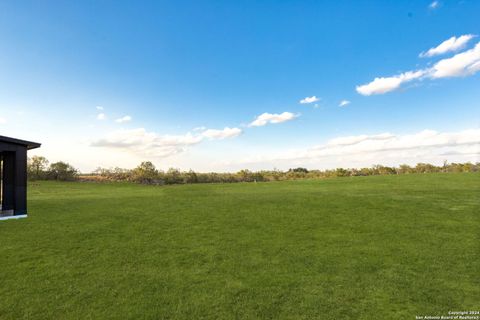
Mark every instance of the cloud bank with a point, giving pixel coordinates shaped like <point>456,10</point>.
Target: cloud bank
<point>462,64</point>
<point>150,144</point>
<point>384,148</point>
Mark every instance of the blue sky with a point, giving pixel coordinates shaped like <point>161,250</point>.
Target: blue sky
<point>190,78</point>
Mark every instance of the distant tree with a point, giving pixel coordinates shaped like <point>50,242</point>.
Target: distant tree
<point>303,170</point>
<point>426,168</point>
<point>191,177</point>
<point>173,176</point>
<point>37,167</point>
<point>245,175</point>
<point>366,171</point>
<point>383,170</point>
<point>145,173</point>
<point>62,171</point>
<point>405,169</point>
<point>445,166</point>
<point>102,171</point>
<point>468,167</point>
<point>340,172</point>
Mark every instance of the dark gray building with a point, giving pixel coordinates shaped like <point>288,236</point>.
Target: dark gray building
<point>13,173</point>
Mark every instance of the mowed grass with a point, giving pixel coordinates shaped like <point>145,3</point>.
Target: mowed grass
<point>383,247</point>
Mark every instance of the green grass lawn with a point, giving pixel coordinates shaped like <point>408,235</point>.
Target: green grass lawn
<point>383,247</point>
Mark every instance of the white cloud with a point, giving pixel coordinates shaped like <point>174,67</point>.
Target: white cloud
<point>123,119</point>
<point>150,144</point>
<point>344,103</point>
<point>266,118</point>
<point>385,148</point>
<point>3,120</point>
<point>350,140</point>
<point>388,142</point>
<point>434,5</point>
<point>452,44</point>
<point>144,143</point>
<point>387,84</point>
<point>309,100</point>
<point>101,116</point>
<point>222,134</point>
<point>462,64</point>
<point>99,107</point>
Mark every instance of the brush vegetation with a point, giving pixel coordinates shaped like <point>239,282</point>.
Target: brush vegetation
<point>147,173</point>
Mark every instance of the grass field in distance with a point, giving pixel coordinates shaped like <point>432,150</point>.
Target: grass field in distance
<point>381,247</point>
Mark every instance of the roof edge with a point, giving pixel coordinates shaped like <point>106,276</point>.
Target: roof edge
<point>28,144</point>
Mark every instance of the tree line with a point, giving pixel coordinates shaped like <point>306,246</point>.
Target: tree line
<point>39,168</point>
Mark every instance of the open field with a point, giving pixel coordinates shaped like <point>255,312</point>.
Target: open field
<point>383,247</point>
